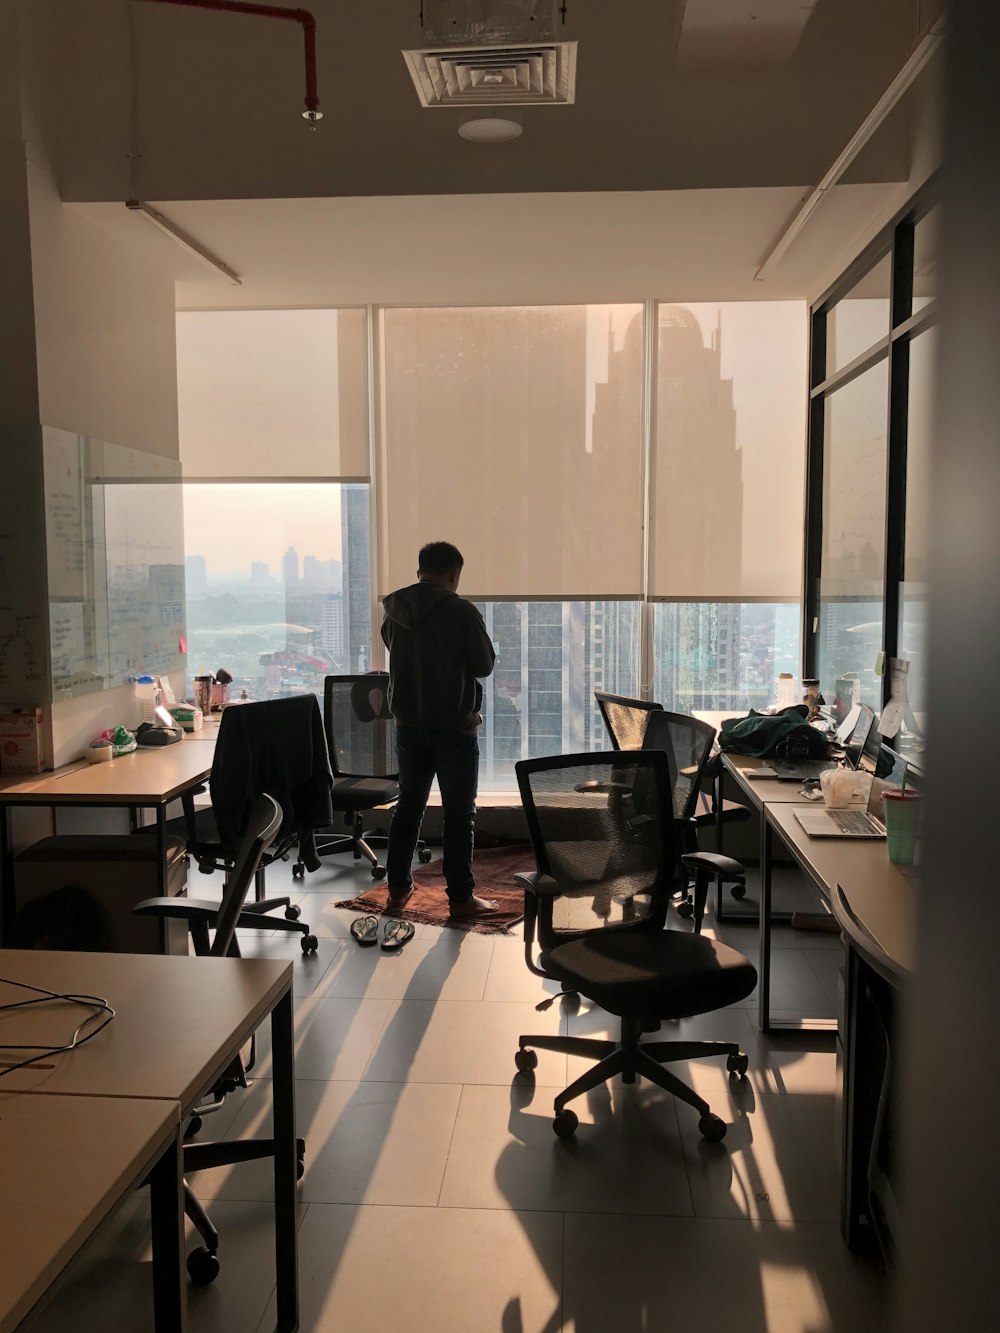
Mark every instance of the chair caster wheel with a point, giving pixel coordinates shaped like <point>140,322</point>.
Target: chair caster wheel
<point>739,892</point>
<point>738,1064</point>
<point>293,913</point>
<point>565,1123</point>
<point>712,1127</point>
<point>424,855</point>
<point>192,1127</point>
<point>526,1061</point>
<point>203,1266</point>
<point>298,871</point>
<point>309,943</point>
<point>207,870</point>
<point>378,872</point>
<point>685,909</point>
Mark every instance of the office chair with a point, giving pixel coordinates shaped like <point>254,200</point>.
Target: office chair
<point>224,918</point>
<point>625,720</point>
<point>275,746</point>
<point>361,740</point>
<point>630,721</point>
<point>603,835</point>
<point>688,743</point>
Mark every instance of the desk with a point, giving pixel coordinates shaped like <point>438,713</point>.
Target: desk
<point>179,1023</point>
<point>68,1163</point>
<point>146,779</point>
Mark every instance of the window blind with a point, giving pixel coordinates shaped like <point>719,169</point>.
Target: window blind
<point>729,452</point>
<point>515,432</point>
<point>272,393</point>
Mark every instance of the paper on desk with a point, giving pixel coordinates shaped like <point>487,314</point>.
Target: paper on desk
<point>895,710</point>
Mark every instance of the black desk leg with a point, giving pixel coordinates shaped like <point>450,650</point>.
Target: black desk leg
<point>285,1164</point>
<point>8,901</point>
<point>764,969</point>
<point>166,1197</point>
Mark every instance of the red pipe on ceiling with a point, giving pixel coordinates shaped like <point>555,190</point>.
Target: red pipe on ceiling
<point>312,112</point>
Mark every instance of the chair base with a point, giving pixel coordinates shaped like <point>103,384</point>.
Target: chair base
<point>630,1058</point>
<point>359,842</point>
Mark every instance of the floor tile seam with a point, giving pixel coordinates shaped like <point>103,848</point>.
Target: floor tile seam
<point>560,1209</point>
<point>451,1140</point>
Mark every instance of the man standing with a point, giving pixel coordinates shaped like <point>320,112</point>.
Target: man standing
<point>438,652</point>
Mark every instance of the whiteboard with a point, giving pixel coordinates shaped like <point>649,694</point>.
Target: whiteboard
<point>114,523</point>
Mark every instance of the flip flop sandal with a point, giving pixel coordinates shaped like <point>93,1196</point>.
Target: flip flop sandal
<point>396,934</point>
<point>365,929</point>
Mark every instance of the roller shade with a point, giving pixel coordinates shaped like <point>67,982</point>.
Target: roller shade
<point>729,451</point>
<point>272,393</point>
<point>515,432</point>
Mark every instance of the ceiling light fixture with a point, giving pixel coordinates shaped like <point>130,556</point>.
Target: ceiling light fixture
<point>181,238</point>
<point>493,128</point>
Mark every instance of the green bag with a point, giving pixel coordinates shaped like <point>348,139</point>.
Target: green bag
<point>764,734</point>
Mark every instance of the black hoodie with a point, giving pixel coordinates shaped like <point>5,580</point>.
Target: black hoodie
<point>438,646</point>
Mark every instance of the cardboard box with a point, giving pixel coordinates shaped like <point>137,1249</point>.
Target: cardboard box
<point>21,749</point>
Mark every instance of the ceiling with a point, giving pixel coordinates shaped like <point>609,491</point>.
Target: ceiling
<point>698,128</point>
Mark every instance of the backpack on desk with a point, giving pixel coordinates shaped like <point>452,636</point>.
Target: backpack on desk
<point>784,734</point>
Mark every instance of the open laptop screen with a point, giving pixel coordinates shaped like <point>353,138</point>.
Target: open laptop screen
<point>888,772</point>
<point>860,738</point>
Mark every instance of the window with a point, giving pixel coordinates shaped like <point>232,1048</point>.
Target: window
<point>859,318</point>
<point>551,657</point>
<point>278,584</point>
<point>853,553</point>
<point>723,655</point>
<point>913,589</point>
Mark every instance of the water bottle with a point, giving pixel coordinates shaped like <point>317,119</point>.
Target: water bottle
<point>786,690</point>
<point>146,693</point>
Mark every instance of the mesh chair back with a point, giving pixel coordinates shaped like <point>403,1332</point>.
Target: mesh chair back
<point>261,831</point>
<point>625,720</point>
<point>687,744</point>
<point>596,828</point>
<point>360,731</point>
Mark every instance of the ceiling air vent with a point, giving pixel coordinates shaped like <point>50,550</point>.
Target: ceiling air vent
<point>518,74</point>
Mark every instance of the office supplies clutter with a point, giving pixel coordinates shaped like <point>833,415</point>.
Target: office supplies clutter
<point>148,695</point>
<point>203,692</point>
<point>157,735</point>
<point>186,716</point>
<point>220,689</point>
<point>121,739</point>
<point>100,751</point>
<point>21,740</point>
<point>837,786</point>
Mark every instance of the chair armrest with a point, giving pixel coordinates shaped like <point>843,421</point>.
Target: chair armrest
<point>714,863</point>
<point>178,909</point>
<point>538,885</point>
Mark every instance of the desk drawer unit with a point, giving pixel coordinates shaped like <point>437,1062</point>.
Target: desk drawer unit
<point>77,891</point>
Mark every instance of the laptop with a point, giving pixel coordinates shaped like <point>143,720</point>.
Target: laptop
<point>792,770</point>
<point>888,773</point>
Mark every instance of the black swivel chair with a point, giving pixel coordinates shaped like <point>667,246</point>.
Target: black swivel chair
<point>629,722</point>
<point>688,744</point>
<point>276,746</point>
<point>224,918</point>
<point>361,740</point>
<point>603,835</point>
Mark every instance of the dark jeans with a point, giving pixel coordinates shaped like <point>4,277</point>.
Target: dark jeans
<point>453,758</point>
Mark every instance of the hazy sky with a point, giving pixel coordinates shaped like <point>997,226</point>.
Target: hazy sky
<point>234,525</point>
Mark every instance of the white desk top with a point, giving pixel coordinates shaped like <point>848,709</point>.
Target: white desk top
<point>67,1163</point>
<point>178,1020</point>
<point>146,776</point>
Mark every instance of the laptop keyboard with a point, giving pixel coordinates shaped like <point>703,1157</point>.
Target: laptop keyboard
<point>851,821</point>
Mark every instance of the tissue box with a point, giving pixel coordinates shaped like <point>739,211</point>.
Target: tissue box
<point>21,740</point>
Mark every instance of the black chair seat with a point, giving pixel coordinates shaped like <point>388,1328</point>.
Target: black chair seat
<point>653,973</point>
<point>206,844</point>
<point>732,812</point>
<point>363,793</point>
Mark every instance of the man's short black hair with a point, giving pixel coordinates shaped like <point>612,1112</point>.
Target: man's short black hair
<point>439,558</point>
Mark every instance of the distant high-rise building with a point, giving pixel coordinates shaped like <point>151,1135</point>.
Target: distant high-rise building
<point>356,562</point>
<point>290,566</point>
<point>259,572</point>
<point>310,569</point>
<point>196,575</point>
<point>333,625</point>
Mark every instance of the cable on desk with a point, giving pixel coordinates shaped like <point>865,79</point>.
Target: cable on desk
<point>99,1006</point>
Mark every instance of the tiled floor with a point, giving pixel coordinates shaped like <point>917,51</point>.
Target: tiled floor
<point>436,1196</point>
